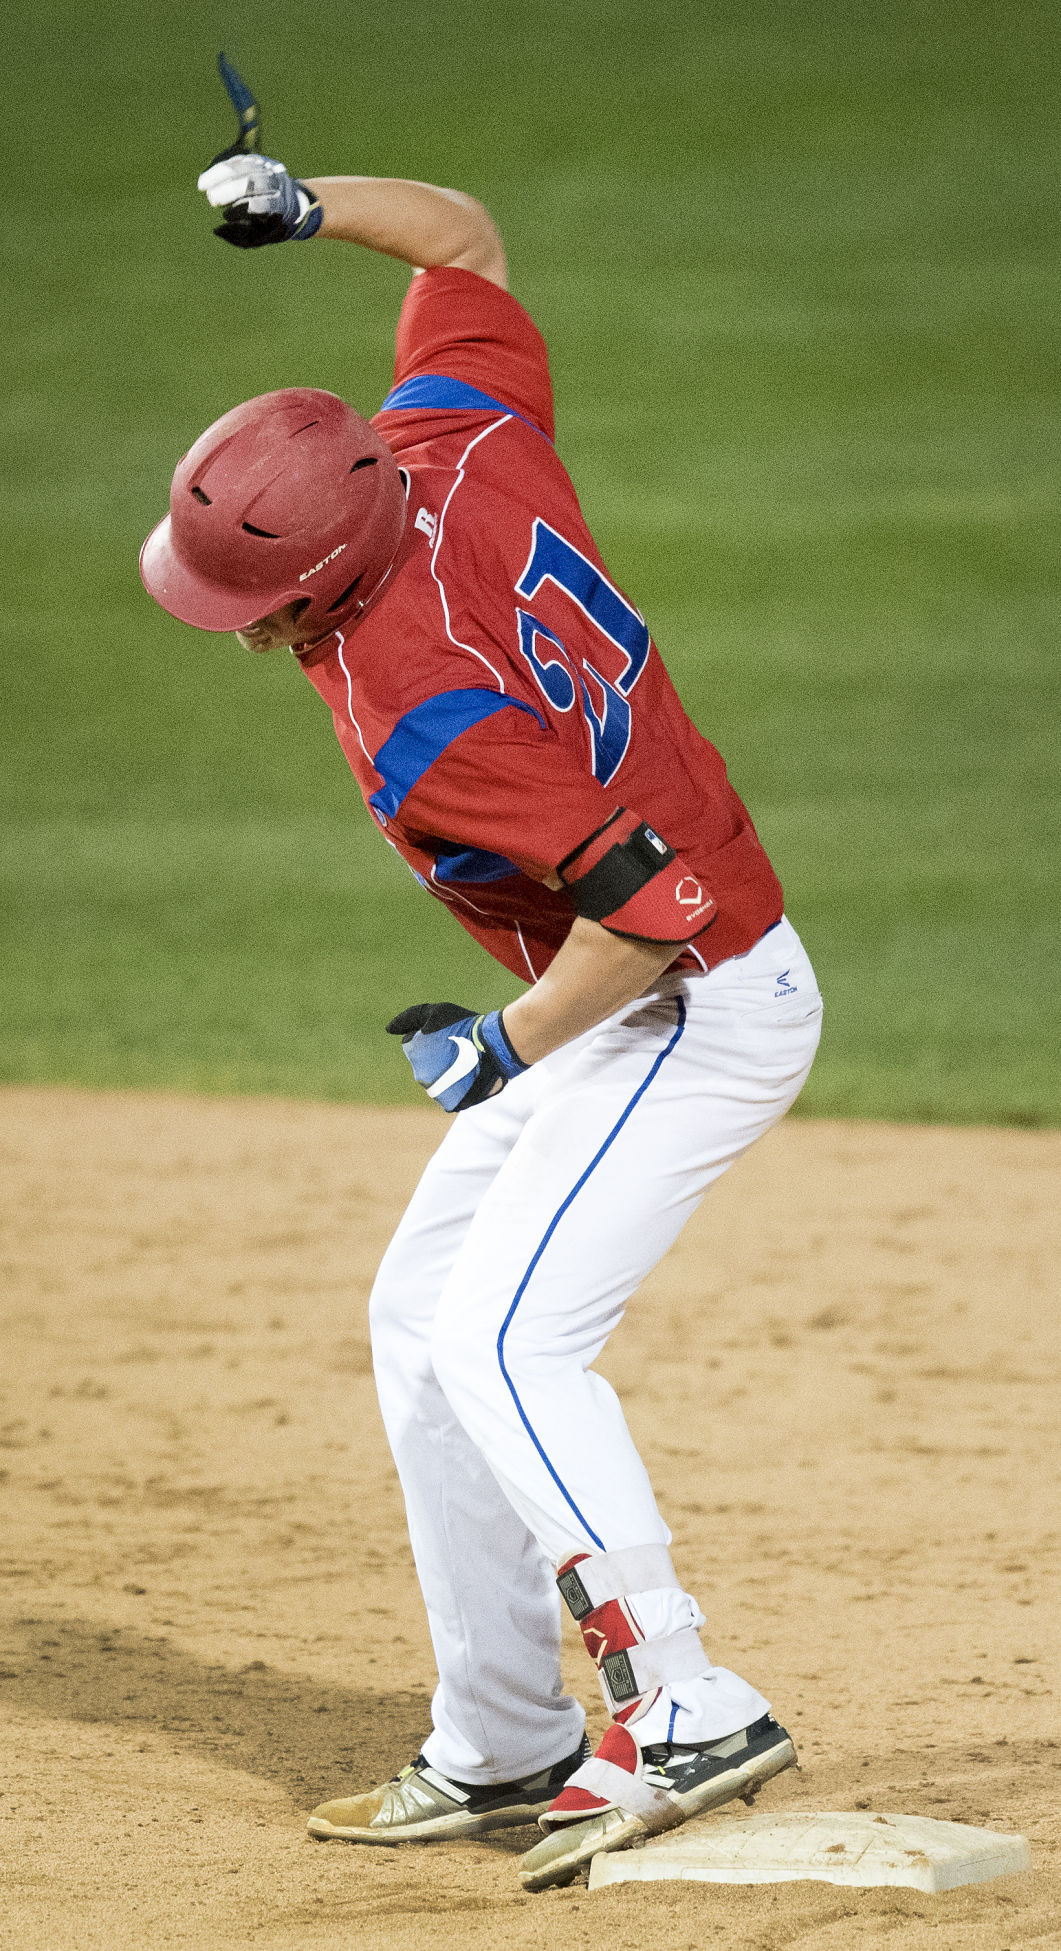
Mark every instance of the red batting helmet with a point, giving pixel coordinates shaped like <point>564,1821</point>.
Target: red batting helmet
<point>289,496</point>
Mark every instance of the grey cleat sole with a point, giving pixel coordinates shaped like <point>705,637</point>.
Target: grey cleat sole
<point>421,1805</point>
<point>436,1829</point>
<point>569,1849</point>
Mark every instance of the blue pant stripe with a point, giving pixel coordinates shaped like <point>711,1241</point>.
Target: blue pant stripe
<point>543,1243</point>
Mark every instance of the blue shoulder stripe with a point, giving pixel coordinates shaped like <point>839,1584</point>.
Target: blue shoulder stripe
<point>435,392</point>
<point>473,865</point>
<point>423,734</point>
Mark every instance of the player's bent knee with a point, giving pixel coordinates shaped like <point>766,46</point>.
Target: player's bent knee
<point>463,1356</point>
<point>475,1361</point>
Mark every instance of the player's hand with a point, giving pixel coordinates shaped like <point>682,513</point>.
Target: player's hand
<point>458,1057</point>
<point>262,204</point>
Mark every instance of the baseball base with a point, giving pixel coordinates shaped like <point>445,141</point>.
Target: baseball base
<point>849,1847</point>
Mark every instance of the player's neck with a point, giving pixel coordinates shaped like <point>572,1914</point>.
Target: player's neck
<point>308,654</point>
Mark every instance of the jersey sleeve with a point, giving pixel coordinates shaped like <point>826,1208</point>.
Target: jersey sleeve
<point>455,324</point>
<point>507,790</point>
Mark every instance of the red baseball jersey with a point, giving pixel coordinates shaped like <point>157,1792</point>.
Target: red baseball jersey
<point>502,700</point>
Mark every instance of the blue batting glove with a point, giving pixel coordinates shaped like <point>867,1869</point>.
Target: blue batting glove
<point>458,1057</point>
<point>260,202</point>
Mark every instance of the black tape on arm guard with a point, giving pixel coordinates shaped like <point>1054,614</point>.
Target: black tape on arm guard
<point>628,879</point>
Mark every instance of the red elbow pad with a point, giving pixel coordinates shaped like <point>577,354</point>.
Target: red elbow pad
<point>626,877</point>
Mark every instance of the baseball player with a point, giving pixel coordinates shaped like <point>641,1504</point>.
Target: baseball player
<point>517,740</point>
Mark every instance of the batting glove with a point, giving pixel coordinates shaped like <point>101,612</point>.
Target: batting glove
<point>458,1057</point>
<point>261,202</point>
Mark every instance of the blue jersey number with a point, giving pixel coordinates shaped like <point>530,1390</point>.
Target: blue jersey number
<point>552,559</point>
<point>552,673</point>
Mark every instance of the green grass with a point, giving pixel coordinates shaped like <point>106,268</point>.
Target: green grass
<point>799,275</point>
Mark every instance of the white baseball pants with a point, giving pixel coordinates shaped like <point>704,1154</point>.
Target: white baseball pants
<point>534,1222</point>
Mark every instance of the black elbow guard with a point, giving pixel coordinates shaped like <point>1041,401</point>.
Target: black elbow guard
<point>627,878</point>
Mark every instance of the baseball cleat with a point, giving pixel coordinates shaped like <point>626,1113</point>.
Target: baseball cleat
<point>421,1804</point>
<point>624,1794</point>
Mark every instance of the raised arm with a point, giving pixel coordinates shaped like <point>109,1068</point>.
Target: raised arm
<point>261,203</point>
<point>425,226</point>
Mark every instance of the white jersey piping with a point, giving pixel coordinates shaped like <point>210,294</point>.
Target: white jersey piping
<point>350,700</point>
<point>526,957</point>
<point>445,892</point>
<point>438,544</point>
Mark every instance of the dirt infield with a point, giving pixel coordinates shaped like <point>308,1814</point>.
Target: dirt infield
<point>844,1381</point>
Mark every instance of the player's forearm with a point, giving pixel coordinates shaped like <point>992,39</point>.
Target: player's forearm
<point>593,975</point>
<point>424,226</point>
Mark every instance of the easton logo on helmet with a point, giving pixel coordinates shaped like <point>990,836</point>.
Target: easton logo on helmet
<point>322,564</point>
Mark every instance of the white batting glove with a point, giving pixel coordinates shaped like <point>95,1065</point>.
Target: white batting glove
<point>261,202</point>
